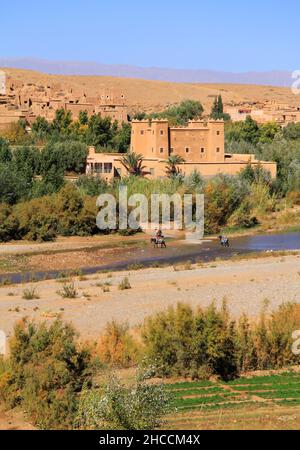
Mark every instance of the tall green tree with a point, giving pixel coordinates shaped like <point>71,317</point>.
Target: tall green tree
<point>182,113</point>
<point>41,127</point>
<point>62,120</point>
<point>217,110</point>
<point>250,131</point>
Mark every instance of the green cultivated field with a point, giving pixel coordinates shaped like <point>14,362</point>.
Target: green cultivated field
<point>256,402</point>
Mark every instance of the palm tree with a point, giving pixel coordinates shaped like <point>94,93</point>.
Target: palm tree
<point>133,163</point>
<point>171,168</point>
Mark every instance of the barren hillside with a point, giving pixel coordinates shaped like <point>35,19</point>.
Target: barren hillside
<point>150,95</point>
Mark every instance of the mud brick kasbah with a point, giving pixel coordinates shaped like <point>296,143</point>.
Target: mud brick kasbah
<point>200,144</point>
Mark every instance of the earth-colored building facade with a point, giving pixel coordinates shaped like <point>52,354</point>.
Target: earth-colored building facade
<point>200,144</point>
<point>270,111</point>
<point>28,101</point>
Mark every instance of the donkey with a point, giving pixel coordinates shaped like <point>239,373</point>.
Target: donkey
<point>158,242</point>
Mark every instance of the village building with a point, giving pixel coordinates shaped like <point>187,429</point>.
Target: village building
<point>28,101</point>
<point>200,144</point>
<point>269,111</point>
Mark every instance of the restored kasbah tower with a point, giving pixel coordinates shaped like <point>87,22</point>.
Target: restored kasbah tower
<point>200,144</point>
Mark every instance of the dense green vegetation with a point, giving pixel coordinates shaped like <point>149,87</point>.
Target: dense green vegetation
<point>33,169</point>
<point>269,142</point>
<point>103,133</point>
<point>45,373</point>
<point>198,344</point>
<point>235,201</point>
<point>63,384</point>
<point>51,377</point>
<point>176,115</point>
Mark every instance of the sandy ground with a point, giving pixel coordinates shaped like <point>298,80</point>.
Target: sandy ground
<point>64,243</point>
<point>13,420</point>
<point>246,284</point>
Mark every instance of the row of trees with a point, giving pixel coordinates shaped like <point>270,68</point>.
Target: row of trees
<point>103,133</point>
<point>203,342</point>
<point>186,342</point>
<point>269,142</point>
<point>176,115</point>
<point>179,115</point>
<point>28,172</point>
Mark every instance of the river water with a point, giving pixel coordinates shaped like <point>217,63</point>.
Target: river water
<point>179,251</point>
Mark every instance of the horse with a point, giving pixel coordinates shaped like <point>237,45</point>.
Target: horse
<point>224,241</point>
<point>158,242</point>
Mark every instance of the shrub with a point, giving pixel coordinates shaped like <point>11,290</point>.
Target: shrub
<point>9,225</point>
<point>77,214</point>
<point>221,200</point>
<point>124,284</point>
<point>37,219</point>
<point>242,216</point>
<point>30,294</point>
<point>294,197</point>
<point>116,406</point>
<point>267,344</point>
<point>117,347</point>
<point>46,373</point>
<point>68,290</point>
<point>90,185</point>
<point>181,342</point>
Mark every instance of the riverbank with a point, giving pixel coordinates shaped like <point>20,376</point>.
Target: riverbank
<point>113,252</point>
<point>246,284</point>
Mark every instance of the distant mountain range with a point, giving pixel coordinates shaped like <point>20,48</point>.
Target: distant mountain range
<point>272,78</point>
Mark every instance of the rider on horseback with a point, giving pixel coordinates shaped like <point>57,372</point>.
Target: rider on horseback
<point>224,241</point>
<point>158,239</point>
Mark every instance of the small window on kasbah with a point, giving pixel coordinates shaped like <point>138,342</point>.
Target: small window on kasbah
<point>218,149</point>
<point>161,132</point>
<point>187,150</point>
<point>218,133</point>
<point>161,150</point>
<point>202,150</point>
<point>142,131</point>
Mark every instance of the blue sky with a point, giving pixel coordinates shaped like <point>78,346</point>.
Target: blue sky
<point>223,35</point>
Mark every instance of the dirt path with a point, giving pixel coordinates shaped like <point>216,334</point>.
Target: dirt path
<point>13,420</point>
